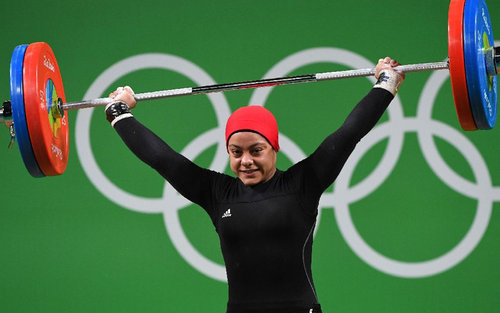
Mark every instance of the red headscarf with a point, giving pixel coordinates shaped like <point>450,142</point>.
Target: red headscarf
<point>254,118</point>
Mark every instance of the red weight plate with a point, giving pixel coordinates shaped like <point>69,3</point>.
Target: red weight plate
<point>42,86</point>
<point>457,65</point>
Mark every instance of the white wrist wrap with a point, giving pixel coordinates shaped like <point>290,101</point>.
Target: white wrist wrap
<point>389,80</point>
<point>121,117</point>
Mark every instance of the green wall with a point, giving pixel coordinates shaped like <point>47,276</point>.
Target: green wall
<point>412,224</point>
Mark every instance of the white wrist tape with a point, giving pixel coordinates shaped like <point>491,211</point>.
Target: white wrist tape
<point>119,118</point>
<point>389,80</point>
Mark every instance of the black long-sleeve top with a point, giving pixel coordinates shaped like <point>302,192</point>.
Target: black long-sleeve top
<point>265,230</point>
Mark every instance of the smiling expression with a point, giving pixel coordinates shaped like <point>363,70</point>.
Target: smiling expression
<point>252,158</point>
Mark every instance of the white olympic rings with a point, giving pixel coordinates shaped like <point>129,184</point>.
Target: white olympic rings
<point>343,194</point>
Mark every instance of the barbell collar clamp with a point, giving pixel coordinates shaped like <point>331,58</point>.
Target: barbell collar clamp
<point>58,111</point>
<point>497,59</point>
<point>491,60</point>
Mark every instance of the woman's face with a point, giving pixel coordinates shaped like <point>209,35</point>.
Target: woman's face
<point>251,157</point>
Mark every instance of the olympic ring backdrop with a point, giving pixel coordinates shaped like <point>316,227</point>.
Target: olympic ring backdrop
<point>411,225</point>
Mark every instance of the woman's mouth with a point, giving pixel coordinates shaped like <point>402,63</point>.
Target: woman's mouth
<point>249,172</point>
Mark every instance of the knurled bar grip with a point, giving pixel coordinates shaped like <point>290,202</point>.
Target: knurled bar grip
<point>257,84</point>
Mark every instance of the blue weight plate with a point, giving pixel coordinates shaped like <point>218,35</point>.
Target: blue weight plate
<point>482,88</point>
<point>18,112</point>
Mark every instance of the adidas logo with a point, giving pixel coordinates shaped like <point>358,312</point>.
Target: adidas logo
<point>227,213</point>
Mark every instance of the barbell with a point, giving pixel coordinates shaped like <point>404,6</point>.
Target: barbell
<point>37,111</point>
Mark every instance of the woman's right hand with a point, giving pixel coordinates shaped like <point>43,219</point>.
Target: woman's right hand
<point>124,94</point>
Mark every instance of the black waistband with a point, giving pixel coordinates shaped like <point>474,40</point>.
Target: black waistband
<point>273,308</point>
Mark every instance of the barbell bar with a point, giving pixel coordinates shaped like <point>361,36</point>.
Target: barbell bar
<point>256,84</point>
<point>37,112</point>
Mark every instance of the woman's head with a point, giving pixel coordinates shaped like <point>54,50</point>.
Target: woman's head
<point>256,119</point>
<point>252,144</point>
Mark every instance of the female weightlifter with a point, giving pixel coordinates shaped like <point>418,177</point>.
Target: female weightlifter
<point>264,217</point>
